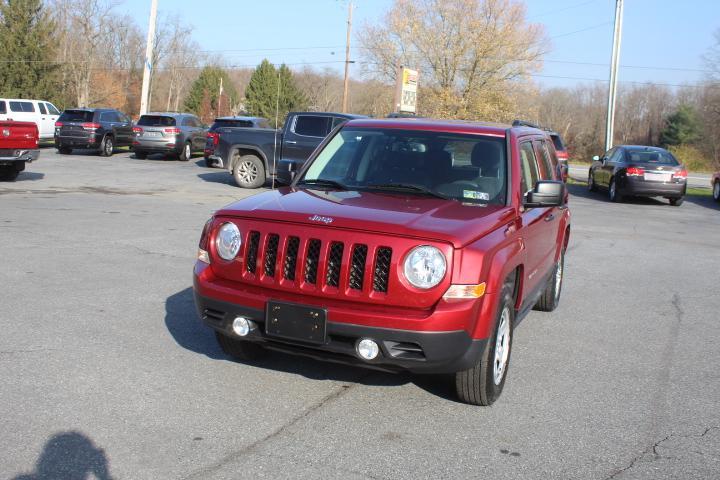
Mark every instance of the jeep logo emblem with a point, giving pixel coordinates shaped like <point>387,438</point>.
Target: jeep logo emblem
<point>318,218</point>
<point>6,132</point>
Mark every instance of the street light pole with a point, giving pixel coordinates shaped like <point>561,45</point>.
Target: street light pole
<point>347,59</point>
<point>614,63</point>
<point>147,71</point>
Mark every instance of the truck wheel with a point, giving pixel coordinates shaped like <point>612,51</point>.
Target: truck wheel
<point>107,147</point>
<point>249,172</point>
<point>8,174</point>
<point>209,162</point>
<point>482,384</point>
<point>716,191</point>
<point>64,150</point>
<point>140,155</point>
<point>550,297</point>
<point>613,193</point>
<point>186,153</point>
<point>239,349</point>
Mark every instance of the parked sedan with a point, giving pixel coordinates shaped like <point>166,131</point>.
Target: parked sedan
<point>716,186</point>
<point>633,170</point>
<point>171,133</point>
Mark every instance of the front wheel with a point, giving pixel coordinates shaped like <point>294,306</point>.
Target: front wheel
<point>249,172</point>
<point>483,383</point>
<point>239,349</point>
<point>716,191</point>
<point>186,153</point>
<point>107,147</point>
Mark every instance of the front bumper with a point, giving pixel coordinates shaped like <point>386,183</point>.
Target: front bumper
<point>20,155</point>
<point>641,188</point>
<point>402,349</point>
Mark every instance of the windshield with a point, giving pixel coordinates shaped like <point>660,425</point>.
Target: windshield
<point>467,168</point>
<point>653,156</point>
<point>76,116</point>
<point>156,121</point>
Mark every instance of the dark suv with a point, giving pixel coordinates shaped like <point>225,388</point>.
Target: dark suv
<point>402,244</point>
<point>100,129</point>
<point>178,134</point>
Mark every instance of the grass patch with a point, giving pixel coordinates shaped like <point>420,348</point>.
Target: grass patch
<point>699,192</point>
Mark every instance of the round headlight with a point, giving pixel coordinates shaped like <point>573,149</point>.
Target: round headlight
<point>425,266</point>
<point>227,241</point>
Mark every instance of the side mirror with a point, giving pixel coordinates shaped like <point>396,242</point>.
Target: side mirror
<point>596,158</point>
<point>547,193</point>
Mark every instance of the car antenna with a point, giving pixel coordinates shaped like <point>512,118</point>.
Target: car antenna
<point>277,114</point>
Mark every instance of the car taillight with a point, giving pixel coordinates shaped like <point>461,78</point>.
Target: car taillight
<point>635,171</point>
<point>681,174</point>
<point>173,131</point>
<point>58,124</point>
<point>215,138</point>
<point>90,126</point>
<point>137,130</point>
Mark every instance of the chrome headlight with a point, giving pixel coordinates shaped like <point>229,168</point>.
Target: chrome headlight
<point>425,266</point>
<point>227,241</point>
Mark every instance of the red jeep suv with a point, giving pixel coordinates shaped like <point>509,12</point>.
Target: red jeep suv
<point>403,244</point>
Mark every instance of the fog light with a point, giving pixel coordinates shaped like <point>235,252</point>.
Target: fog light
<point>242,326</point>
<point>367,349</point>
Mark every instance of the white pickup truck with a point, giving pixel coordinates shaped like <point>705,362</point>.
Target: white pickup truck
<point>41,113</point>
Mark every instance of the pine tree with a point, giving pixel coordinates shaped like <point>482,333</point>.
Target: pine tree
<point>26,48</point>
<point>291,97</point>
<point>262,92</point>
<point>208,84</point>
<point>682,127</point>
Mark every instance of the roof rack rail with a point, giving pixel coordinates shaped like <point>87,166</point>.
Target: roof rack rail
<point>525,123</point>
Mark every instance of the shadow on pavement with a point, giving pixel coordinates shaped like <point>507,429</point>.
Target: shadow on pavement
<point>182,322</point>
<point>69,456</point>
<point>218,176</point>
<point>703,201</point>
<point>30,176</point>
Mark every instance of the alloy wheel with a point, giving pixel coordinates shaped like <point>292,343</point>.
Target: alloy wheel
<point>502,347</point>
<point>248,172</point>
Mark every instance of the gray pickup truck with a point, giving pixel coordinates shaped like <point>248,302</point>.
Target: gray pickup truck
<point>254,155</point>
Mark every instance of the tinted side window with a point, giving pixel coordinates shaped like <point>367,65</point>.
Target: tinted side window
<point>311,125</point>
<point>41,106</point>
<point>187,122</point>
<point>3,107</point>
<point>105,117</point>
<point>51,108</point>
<point>547,170</point>
<point>617,156</point>
<point>22,107</point>
<point>528,164</point>
<point>338,121</point>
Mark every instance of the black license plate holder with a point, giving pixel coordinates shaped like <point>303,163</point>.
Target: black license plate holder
<point>300,323</point>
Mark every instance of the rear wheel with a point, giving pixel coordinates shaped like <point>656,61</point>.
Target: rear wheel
<point>140,155</point>
<point>249,172</point>
<point>107,146</point>
<point>677,201</point>
<point>239,349</point>
<point>186,153</point>
<point>550,297</point>
<point>591,182</point>
<point>8,173</point>
<point>65,150</point>
<point>209,163</point>
<point>716,191</point>
<point>483,384</point>
<point>613,193</point>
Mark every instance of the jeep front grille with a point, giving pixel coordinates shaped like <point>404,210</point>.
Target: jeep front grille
<point>252,251</point>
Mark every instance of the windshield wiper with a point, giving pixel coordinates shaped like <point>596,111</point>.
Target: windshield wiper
<point>325,183</point>
<point>408,186</point>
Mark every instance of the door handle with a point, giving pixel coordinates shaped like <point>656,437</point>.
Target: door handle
<point>549,217</point>
<point>290,142</point>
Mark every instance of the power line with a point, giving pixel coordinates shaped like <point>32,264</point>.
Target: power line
<point>582,30</point>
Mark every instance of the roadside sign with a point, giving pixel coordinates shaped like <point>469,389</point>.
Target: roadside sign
<point>406,90</point>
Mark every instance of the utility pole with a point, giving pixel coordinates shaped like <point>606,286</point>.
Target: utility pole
<point>147,71</point>
<point>614,63</point>
<point>347,58</point>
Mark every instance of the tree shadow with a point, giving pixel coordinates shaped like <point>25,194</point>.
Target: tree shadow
<point>69,456</point>
<point>30,176</point>
<point>182,322</point>
<point>703,201</point>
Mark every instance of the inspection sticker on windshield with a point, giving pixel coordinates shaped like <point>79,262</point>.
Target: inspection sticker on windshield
<point>475,195</point>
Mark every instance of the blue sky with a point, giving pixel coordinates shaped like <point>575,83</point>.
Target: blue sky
<point>663,40</point>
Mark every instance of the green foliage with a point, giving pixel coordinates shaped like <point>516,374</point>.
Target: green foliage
<point>682,127</point>
<point>262,92</point>
<point>27,50</point>
<point>207,86</point>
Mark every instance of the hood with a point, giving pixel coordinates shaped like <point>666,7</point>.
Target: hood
<point>380,212</point>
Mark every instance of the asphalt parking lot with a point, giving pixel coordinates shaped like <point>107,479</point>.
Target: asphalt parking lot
<point>106,369</point>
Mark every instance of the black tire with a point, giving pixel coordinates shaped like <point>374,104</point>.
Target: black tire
<point>186,153</point>
<point>676,201</point>
<point>591,181</point>
<point>209,163</point>
<point>550,298</point>
<point>64,150</point>
<point>716,190</point>
<point>249,171</point>
<point>107,146</point>
<point>477,385</point>
<point>613,193</point>
<point>8,173</point>
<point>239,349</point>
<point>140,155</point>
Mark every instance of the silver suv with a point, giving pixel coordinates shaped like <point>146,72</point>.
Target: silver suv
<point>178,134</point>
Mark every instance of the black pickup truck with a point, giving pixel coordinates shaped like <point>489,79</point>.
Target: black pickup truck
<point>253,155</point>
